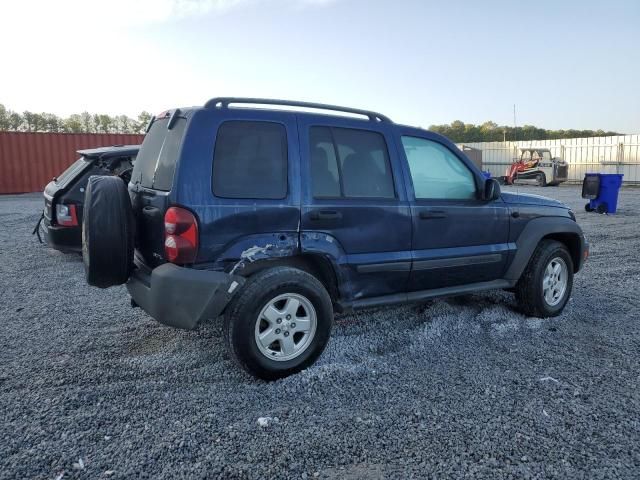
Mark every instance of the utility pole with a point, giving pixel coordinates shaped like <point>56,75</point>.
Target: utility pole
<point>515,135</point>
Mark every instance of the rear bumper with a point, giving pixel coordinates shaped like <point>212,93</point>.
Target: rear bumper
<point>181,297</point>
<point>65,239</point>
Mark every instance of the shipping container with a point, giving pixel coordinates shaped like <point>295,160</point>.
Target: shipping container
<point>28,160</point>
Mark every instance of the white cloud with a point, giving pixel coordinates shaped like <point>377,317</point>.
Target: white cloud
<point>66,56</point>
<point>46,15</point>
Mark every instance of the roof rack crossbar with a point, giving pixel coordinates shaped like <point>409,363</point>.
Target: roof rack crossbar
<point>223,102</point>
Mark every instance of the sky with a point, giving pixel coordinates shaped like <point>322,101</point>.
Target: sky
<point>564,64</point>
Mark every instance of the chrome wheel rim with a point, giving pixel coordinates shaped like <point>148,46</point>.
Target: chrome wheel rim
<point>285,327</point>
<point>554,282</point>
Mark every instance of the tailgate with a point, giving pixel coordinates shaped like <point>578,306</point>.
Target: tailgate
<point>151,183</point>
<point>149,207</point>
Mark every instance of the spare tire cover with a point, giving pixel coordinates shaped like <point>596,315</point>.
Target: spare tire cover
<point>107,232</point>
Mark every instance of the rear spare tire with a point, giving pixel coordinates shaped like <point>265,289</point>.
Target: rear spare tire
<point>107,232</point>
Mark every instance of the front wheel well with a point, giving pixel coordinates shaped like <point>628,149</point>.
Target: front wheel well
<point>572,242</point>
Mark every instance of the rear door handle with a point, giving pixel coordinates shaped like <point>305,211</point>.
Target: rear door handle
<point>149,210</point>
<point>325,215</point>
<point>432,214</point>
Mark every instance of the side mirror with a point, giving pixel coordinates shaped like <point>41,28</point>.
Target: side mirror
<point>491,189</point>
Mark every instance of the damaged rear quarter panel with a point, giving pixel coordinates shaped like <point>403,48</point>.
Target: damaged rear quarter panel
<point>229,226</point>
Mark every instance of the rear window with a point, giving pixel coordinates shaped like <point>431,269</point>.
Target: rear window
<point>72,172</point>
<point>155,164</point>
<point>250,160</point>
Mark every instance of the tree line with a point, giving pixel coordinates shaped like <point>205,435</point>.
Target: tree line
<point>460,132</point>
<point>84,122</point>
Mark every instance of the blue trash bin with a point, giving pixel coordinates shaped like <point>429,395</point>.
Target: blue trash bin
<point>602,191</point>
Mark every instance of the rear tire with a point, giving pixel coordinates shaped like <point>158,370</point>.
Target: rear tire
<point>260,324</point>
<point>545,286</point>
<point>588,208</point>
<point>107,232</point>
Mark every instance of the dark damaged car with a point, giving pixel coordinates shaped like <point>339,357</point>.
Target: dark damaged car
<point>61,220</point>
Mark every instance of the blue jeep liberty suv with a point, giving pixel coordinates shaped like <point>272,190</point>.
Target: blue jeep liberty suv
<point>276,214</point>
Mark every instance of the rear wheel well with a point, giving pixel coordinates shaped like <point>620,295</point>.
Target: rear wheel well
<point>316,265</point>
<point>572,242</point>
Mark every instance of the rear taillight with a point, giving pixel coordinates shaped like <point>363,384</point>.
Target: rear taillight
<point>66,215</point>
<point>180,236</point>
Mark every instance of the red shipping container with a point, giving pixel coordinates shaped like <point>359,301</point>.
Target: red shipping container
<point>28,161</point>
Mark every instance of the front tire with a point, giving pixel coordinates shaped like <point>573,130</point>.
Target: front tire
<point>279,323</point>
<point>545,286</point>
<point>541,179</point>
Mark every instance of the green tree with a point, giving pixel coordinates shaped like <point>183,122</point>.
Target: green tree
<point>143,120</point>
<point>51,122</point>
<point>87,122</point>
<point>73,124</point>
<point>460,132</point>
<point>15,121</point>
<point>4,118</point>
<point>103,123</point>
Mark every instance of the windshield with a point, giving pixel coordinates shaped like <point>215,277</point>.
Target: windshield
<point>156,162</point>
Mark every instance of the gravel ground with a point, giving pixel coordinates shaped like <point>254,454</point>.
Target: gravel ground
<point>90,388</point>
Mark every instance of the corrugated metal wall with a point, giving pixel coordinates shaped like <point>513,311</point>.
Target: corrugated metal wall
<point>618,154</point>
<point>28,161</point>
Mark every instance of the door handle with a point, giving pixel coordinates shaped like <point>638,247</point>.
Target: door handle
<point>325,215</point>
<point>149,210</point>
<point>432,214</point>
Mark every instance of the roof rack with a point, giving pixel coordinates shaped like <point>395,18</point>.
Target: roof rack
<point>223,102</point>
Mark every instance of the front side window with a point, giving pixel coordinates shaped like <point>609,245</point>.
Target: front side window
<point>250,160</point>
<point>349,163</point>
<point>436,172</point>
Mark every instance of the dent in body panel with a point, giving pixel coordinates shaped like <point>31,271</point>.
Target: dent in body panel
<point>251,248</point>
<point>322,244</point>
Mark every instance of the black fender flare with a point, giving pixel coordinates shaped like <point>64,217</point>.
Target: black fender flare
<point>546,227</point>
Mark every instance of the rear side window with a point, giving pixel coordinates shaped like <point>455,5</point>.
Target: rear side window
<point>351,163</point>
<point>156,162</point>
<point>325,175</point>
<point>250,160</point>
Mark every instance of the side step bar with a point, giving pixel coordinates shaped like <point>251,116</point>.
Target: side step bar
<point>425,295</point>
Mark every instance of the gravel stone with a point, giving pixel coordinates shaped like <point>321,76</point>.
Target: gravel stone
<point>462,387</point>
